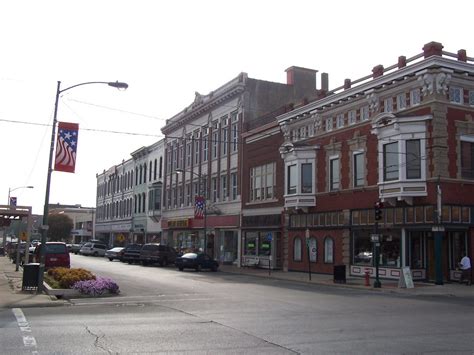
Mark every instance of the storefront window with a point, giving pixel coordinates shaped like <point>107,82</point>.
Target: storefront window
<point>251,243</point>
<point>328,250</point>
<point>390,250</point>
<point>362,249</point>
<point>297,249</point>
<point>416,250</point>
<point>265,244</point>
<point>458,247</point>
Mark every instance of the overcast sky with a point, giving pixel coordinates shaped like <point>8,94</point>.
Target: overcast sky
<point>167,50</point>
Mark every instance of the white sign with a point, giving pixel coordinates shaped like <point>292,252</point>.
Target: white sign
<point>406,281</point>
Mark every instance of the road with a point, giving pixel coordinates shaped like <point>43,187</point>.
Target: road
<point>162,310</point>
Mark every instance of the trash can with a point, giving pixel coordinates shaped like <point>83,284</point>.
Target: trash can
<point>340,274</point>
<point>30,277</point>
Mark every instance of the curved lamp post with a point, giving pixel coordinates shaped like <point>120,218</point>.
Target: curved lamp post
<point>44,227</point>
<point>16,188</point>
<point>201,191</point>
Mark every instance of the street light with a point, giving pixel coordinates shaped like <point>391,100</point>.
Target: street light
<point>44,229</point>
<point>16,188</point>
<point>201,191</point>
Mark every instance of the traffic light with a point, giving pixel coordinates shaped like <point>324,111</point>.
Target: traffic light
<point>378,210</point>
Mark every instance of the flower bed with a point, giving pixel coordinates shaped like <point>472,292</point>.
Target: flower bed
<point>63,282</point>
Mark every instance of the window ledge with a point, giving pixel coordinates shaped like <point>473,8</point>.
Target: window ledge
<point>401,189</point>
<point>252,203</point>
<point>300,200</point>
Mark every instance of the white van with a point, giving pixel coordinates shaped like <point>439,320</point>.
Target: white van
<point>93,248</point>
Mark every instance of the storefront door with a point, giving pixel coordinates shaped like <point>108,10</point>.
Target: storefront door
<point>431,259</point>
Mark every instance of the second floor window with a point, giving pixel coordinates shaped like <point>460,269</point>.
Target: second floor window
<point>233,178</point>
<point>467,159</point>
<point>224,187</point>
<point>235,137</point>
<point>334,175</point>
<point>390,161</point>
<point>306,178</point>
<point>413,159</point>
<point>292,180</point>
<point>262,182</point>
<point>215,141</point>
<point>359,171</point>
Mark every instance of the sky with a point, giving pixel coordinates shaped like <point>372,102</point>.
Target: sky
<point>166,51</point>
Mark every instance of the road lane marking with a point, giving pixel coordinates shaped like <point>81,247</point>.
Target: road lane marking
<point>29,341</point>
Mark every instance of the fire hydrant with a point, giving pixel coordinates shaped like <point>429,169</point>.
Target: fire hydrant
<point>367,278</point>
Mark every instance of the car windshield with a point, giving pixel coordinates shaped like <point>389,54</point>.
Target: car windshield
<point>134,247</point>
<point>55,248</point>
<point>190,256</point>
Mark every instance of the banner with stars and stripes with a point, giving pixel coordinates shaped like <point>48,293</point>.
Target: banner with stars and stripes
<point>199,206</point>
<point>66,147</point>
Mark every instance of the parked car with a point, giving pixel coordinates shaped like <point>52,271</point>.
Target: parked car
<point>152,253</point>
<point>93,248</point>
<point>196,261</point>
<point>114,253</point>
<point>56,255</point>
<point>131,253</point>
<point>76,248</point>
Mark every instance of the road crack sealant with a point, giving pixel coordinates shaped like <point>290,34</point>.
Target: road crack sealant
<point>98,339</point>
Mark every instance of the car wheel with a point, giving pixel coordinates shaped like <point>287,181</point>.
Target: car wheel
<point>164,262</point>
<point>181,269</point>
<point>214,268</point>
<point>129,262</point>
<point>198,268</point>
<point>111,259</point>
<point>144,263</point>
<point>95,254</point>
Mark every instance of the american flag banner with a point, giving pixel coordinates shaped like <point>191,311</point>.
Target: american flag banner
<point>66,147</point>
<point>199,206</point>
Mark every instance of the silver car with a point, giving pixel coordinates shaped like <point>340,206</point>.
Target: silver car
<point>94,249</point>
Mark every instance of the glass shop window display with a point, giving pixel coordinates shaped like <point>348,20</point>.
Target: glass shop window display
<point>390,250</point>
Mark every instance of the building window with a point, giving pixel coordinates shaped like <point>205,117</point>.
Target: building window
<point>205,148</point>
<point>223,187</point>
<point>262,182</point>
<point>233,177</point>
<point>292,181</point>
<point>352,117</point>
<point>359,171</point>
<point>196,152</point>
<point>313,250</point>
<point>306,178</point>
<point>456,94</point>
<point>388,105</point>
<point>364,113</point>
<point>401,101</point>
<point>235,137</point>
<point>340,120</point>
<point>390,161</point>
<point>471,97</point>
<point>224,139</point>
<point>413,159</point>
<point>188,195</point>
<point>415,97</point>
<point>215,141</point>
<point>297,252</point>
<point>214,189</point>
<point>328,124</point>
<point>188,154</point>
<point>467,159</point>
<point>328,250</point>
<point>334,176</point>
<point>155,169</point>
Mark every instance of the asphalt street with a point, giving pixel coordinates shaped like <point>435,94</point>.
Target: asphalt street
<point>162,310</point>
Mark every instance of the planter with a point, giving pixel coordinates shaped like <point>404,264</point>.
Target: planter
<point>71,293</point>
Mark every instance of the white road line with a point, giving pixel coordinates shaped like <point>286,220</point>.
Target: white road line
<point>28,340</point>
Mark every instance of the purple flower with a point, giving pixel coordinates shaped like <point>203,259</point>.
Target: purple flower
<point>96,287</point>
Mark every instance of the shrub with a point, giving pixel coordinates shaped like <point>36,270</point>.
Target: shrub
<point>66,278</point>
<point>96,287</point>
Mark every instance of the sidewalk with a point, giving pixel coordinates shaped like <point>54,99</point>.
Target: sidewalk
<point>421,288</point>
<point>11,295</point>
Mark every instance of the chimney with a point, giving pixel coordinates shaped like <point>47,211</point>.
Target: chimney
<point>303,80</point>
<point>325,82</point>
<point>402,61</point>
<point>377,71</point>
<point>347,84</point>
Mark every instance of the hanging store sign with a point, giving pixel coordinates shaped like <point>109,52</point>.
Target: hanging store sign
<point>179,223</point>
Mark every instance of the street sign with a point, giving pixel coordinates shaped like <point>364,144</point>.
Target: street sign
<point>23,236</point>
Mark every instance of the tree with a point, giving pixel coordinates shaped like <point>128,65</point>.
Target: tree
<point>60,226</point>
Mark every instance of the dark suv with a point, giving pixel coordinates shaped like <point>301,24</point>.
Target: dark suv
<point>157,253</point>
<point>131,253</point>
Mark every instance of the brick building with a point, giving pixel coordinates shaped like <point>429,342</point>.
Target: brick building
<point>403,136</point>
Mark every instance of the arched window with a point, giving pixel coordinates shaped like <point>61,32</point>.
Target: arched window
<point>328,250</point>
<point>313,250</point>
<point>143,202</point>
<point>297,249</point>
